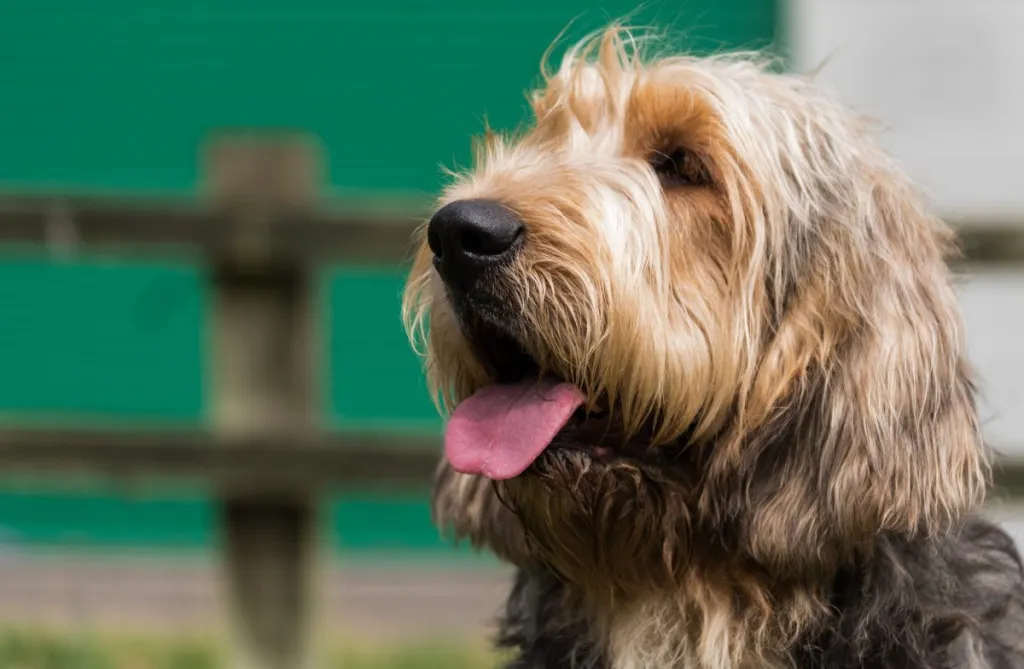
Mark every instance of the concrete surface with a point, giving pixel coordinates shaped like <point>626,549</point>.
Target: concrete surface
<point>379,600</point>
<point>155,595</point>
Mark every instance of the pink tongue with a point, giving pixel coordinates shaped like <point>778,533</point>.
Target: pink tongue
<point>502,429</point>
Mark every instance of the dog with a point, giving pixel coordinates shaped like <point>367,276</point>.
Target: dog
<point>707,388</point>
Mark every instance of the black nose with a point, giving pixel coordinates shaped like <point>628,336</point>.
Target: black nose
<point>470,236</point>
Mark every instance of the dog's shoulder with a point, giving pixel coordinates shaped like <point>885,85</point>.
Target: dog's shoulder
<point>954,602</point>
<point>990,590</point>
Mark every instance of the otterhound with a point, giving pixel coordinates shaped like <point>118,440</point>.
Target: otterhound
<point>707,382</point>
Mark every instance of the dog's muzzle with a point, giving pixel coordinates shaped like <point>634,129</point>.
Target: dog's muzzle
<point>469,238</point>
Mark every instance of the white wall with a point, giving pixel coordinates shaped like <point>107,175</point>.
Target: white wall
<point>993,307</point>
<point>943,75</point>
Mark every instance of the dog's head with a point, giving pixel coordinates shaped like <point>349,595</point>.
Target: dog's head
<point>693,307</point>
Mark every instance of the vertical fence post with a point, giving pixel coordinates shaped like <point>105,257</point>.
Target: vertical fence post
<point>264,333</point>
<point>269,558</point>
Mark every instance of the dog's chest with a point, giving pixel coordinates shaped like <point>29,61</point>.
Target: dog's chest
<point>659,636</point>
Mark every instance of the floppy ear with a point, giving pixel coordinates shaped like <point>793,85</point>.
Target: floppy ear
<point>861,418</point>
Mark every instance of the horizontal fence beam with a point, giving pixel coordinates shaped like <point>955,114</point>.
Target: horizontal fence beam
<point>337,231</point>
<point>69,225</point>
<point>1008,477</point>
<point>285,462</point>
<point>988,245</point>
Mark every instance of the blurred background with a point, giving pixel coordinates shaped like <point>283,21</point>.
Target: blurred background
<point>216,444</point>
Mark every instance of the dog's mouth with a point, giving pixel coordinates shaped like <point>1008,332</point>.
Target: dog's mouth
<point>506,426</point>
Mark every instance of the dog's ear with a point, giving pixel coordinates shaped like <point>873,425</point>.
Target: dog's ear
<point>861,418</point>
<point>909,457</point>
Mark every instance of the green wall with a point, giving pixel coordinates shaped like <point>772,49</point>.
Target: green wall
<point>115,96</point>
<point>105,339</point>
<point>106,517</point>
<point>375,379</point>
<point>101,338</point>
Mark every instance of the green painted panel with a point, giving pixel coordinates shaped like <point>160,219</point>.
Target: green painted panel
<point>112,339</point>
<point>97,519</point>
<point>117,94</point>
<point>395,523</point>
<point>101,338</point>
<point>376,380</point>
<point>392,522</point>
<point>100,516</point>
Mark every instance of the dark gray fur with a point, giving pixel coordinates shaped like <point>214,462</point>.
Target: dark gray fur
<point>952,603</point>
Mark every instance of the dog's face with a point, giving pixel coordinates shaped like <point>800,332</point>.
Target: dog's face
<point>692,306</point>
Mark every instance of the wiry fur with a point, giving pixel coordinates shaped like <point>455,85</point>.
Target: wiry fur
<point>781,347</point>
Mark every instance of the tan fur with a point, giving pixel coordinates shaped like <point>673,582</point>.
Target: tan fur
<point>809,258</point>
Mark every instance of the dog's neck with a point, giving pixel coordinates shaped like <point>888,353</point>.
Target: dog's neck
<point>659,633</point>
<point>701,607</point>
<point>709,619</point>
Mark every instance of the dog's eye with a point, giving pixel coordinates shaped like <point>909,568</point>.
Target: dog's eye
<point>679,168</point>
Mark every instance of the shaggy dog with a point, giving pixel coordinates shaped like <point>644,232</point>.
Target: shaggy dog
<point>707,382</point>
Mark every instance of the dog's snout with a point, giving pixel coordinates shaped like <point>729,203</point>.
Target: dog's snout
<point>468,236</point>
